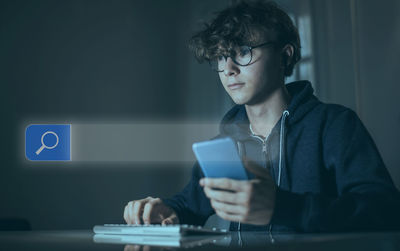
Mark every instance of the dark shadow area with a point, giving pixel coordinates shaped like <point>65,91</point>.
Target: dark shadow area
<point>14,224</point>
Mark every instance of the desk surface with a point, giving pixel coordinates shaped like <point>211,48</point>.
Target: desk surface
<point>84,240</point>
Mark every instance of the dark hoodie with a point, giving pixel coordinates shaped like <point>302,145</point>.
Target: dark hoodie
<point>329,173</point>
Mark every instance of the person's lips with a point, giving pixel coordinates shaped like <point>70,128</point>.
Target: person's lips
<point>235,86</point>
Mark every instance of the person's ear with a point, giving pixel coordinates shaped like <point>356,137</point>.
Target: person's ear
<point>287,55</point>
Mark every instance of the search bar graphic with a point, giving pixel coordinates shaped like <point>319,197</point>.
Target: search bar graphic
<point>138,141</point>
<point>48,142</point>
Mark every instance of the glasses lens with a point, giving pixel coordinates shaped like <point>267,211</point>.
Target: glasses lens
<point>218,64</point>
<point>243,55</point>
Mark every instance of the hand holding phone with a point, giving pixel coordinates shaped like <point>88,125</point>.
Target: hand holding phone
<point>236,198</point>
<point>219,158</point>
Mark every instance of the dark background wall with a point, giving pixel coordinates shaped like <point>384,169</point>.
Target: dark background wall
<point>112,60</point>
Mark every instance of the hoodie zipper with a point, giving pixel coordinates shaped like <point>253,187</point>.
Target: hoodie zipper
<point>264,146</point>
<point>264,149</point>
<point>263,155</point>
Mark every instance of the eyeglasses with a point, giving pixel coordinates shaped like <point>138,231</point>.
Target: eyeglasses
<point>241,56</point>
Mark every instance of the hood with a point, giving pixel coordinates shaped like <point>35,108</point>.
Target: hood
<point>235,123</point>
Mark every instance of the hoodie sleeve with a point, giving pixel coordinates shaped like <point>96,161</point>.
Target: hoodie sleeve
<point>366,200</point>
<point>191,204</point>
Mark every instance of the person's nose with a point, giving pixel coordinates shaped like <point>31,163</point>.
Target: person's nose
<point>231,68</point>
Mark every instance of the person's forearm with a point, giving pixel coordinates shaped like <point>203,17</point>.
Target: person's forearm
<point>191,204</point>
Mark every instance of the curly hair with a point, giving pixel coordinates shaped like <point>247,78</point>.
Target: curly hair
<point>246,23</point>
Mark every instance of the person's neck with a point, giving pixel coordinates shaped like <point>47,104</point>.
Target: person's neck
<point>264,115</point>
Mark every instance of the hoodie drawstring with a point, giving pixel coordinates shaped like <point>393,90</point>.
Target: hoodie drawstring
<point>281,144</point>
<point>241,151</point>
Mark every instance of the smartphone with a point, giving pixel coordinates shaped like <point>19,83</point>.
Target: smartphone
<point>219,158</point>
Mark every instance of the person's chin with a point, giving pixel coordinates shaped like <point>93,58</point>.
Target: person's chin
<point>240,99</point>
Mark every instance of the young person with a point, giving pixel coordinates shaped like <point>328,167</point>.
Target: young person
<point>313,166</point>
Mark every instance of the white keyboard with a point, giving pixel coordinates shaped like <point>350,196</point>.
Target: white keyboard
<point>163,241</point>
<point>156,230</point>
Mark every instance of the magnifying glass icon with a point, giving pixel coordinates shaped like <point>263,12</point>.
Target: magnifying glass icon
<point>44,145</point>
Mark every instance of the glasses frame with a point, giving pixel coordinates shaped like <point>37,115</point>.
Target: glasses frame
<point>250,48</point>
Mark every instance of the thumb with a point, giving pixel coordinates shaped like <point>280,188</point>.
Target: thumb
<point>173,219</point>
<point>256,169</point>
